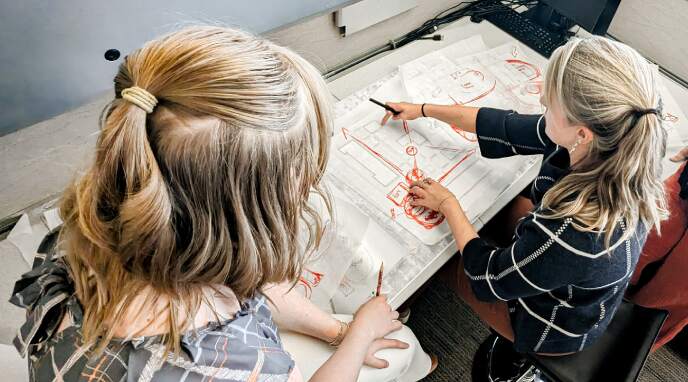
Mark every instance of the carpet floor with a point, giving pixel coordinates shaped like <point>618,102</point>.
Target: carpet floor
<point>445,326</point>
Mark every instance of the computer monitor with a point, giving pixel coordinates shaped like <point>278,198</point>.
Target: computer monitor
<point>591,15</point>
<point>547,24</point>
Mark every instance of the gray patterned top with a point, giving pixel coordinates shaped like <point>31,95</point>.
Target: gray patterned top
<point>244,348</point>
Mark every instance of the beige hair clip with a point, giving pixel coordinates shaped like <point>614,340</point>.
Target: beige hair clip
<point>140,97</point>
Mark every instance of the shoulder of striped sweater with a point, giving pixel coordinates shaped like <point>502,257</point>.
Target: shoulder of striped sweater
<point>564,233</point>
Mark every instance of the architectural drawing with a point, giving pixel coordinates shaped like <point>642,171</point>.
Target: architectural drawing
<point>378,163</point>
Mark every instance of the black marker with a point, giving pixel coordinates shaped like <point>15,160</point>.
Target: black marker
<point>385,106</point>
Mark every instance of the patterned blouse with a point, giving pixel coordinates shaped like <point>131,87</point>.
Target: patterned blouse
<point>244,348</point>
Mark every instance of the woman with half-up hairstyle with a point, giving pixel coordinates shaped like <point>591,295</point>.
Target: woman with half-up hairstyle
<point>180,245</point>
<point>555,286</point>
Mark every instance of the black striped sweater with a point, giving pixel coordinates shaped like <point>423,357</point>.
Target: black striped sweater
<point>561,285</point>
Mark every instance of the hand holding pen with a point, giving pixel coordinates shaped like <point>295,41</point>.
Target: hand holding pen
<point>401,110</point>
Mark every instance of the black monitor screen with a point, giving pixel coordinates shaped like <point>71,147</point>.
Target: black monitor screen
<point>592,15</point>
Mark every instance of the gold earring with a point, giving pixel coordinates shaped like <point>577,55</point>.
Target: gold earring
<point>573,148</point>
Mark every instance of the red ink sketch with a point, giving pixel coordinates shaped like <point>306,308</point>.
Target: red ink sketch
<point>375,153</point>
<point>469,79</point>
<point>393,214</point>
<point>668,117</point>
<point>408,132</point>
<point>414,175</point>
<point>464,134</point>
<point>473,83</point>
<point>309,280</point>
<point>398,194</point>
<point>531,76</point>
<point>432,215</point>
<point>445,148</point>
<point>425,217</point>
<point>529,71</point>
<point>444,176</point>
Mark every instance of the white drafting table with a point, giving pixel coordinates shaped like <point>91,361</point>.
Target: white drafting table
<point>366,73</point>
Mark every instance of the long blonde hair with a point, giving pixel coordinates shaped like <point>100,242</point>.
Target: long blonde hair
<point>605,85</point>
<point>210,188</point>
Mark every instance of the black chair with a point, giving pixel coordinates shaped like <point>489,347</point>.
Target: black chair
<point>618,355</point>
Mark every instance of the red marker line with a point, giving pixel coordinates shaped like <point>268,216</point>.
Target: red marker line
<point>455,166</point>
<point>372,151</point>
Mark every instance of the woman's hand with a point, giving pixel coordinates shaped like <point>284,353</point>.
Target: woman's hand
<point>430,194</point>
<point>680,156</point>
<point>407,111</point>
<point>379,344</point>
<point>375,319</point>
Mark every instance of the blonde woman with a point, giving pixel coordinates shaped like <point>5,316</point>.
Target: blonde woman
<point>558,284</point>
<point>179,244</point>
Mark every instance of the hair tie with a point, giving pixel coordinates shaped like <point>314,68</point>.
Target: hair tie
<point>140,97</point>
<point>641,112</point>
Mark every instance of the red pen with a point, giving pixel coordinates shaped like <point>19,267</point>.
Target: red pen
<point>379,279</point>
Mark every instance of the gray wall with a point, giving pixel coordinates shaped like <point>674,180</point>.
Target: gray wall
<point>51,52</point>
<point>657,29</point>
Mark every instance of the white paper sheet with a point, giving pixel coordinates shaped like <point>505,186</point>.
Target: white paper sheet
<point>673,120</point>
<point>503,77</point>
<point>360,281</point>
<point>377,163</point>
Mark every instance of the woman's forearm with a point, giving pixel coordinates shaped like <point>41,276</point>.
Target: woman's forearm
<point>292,311</point>
<point>345,364</point>
<point>461,227</point>
<point>463,117</point>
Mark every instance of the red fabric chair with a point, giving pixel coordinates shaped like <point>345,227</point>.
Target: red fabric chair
<point>661,277</point>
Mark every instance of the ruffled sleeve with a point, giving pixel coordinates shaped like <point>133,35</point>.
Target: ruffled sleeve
<point>47,293</point>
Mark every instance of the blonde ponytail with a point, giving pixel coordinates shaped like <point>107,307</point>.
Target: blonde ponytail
<point>610,88</point>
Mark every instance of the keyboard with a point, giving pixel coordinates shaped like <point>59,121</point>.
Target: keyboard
<point>524,30</point>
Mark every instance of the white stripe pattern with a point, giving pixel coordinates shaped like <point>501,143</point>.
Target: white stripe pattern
<point>628,266</point>
<point>560,301</point>
<point>513,260</point>
<point>487,269</point>
<point>542,177</point>
<point>525,261</point>
<point>585,337</point>
<point>568,246</point>
<point>512,145</point>
<point>555,327</point>
<point>537,128</point>
<point>546,331</point>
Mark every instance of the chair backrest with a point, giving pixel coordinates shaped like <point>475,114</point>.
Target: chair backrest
<point>618,355</point>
